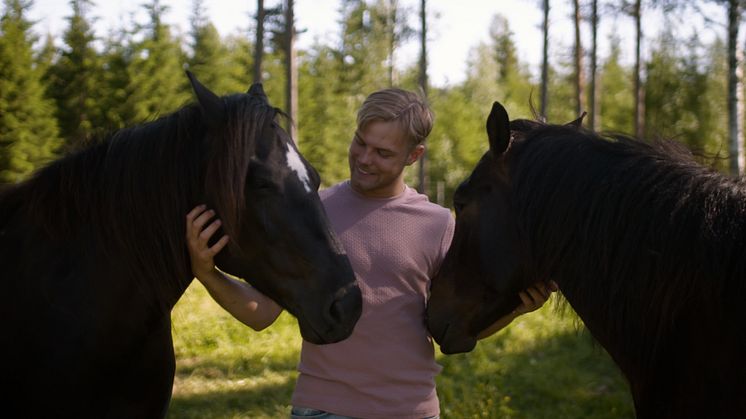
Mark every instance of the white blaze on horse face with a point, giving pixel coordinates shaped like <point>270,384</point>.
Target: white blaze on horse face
<point>297,166</point>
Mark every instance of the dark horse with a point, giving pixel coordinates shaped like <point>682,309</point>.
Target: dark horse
<point>646,245</point>
<point>93,254</point>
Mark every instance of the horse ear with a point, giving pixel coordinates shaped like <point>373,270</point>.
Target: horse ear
<point>257,89</point>
<point>498,129</point>
<point>578,122</point>
<point>212,106</point>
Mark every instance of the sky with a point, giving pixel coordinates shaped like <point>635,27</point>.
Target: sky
<point>455,26</point>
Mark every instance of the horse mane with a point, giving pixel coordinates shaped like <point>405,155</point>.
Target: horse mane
<point>128,193</point>
<point>618,218</point>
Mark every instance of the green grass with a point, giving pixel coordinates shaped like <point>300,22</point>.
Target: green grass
<point>542,366</point>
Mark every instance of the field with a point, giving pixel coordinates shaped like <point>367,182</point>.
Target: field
<point>544,365</point>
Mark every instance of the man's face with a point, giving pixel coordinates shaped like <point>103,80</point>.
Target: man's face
<point>377,156</point>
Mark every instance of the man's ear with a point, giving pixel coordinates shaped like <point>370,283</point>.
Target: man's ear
<point>415,154</point>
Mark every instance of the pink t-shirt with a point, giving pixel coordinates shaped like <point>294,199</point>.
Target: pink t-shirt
<point>386,368</point>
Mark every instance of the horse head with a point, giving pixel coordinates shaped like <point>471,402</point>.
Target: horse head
<point>265,193</point>
<point>480,277</point>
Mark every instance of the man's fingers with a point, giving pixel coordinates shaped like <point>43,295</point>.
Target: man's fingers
<point>191,215</point>
<point>210,230</point>
<point>543,290</point>
<point>525,298</point>
<point>536,296</point>
<point>192,228</point>
<point>202,219</point>
<point>217,247</point>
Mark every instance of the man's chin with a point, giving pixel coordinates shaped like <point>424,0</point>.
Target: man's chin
<point>362,185</point>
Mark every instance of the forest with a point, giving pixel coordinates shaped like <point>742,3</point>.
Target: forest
<point>58,96</point>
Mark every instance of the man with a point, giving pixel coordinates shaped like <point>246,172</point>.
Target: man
<point>395,240</point>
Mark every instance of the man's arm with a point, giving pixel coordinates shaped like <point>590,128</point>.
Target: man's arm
<point>238,298</point>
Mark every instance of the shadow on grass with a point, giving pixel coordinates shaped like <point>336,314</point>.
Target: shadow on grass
<point>247,366</point>
<point>267,401</point>
<point>565,375</point>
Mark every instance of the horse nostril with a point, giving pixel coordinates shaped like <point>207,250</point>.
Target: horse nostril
<point>347,306</point>
<point>337,310</point>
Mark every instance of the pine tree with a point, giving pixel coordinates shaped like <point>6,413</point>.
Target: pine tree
<point>325,121</point>
<point>684,99</point>
<point>239,63</point>
<point>209,57</point>
<point>74,79</point>
<point>364,49</point>
<point>616,105</point>
<point>157,84</point>
<point>28,131</point>
<point>513,77</point>
<point>115,79</point>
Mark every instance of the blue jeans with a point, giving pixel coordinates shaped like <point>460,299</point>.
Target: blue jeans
<point>308,413</point>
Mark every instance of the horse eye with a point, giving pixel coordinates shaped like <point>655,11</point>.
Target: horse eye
<point>263,185</point>
<point>458,206</point>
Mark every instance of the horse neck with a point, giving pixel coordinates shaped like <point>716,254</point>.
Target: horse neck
<point>636,248</point>
<point>128,195</point>
<point>153,179</point>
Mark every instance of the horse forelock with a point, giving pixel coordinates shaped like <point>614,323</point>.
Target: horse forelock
<point>637,229</point>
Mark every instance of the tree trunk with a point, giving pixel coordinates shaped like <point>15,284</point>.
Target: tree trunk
<point>391,21</point>
<point>545,63</point>
<point>579,71</point>
<point>639,93</point>
<point>735,91</point>
<point>423,166</point>
<point>259,44</point>
<point>291,71</point>
<point>593,96</point>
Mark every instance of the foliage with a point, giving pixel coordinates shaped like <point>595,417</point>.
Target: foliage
<point>616,97</point>
<point>135,74</point>
<point>74,79</point>
<point>327,118</point>
<point>28,132</point>
<point>683,95</point>
<point>153,90</point>
<point>209,57</point>
<point>544,365</point>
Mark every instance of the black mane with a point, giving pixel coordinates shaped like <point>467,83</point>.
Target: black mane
<point>127,193</point>
<point>645,216</point>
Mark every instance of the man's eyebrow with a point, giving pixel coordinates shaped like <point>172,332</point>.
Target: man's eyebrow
<point>379,149</point>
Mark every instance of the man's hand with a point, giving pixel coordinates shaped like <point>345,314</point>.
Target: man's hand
<point>535,296</point>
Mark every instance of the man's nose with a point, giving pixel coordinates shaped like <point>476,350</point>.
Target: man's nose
<point>365,157</point>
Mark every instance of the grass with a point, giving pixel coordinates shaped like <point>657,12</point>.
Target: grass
<point>543,365</point>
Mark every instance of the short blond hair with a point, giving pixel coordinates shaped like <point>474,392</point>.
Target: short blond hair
<point>408,109</point>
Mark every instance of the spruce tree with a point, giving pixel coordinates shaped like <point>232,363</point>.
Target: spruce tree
<point>28,131</point>
<point>116,112</point>
<point>326,122</point>
<point>208,57</point>
<point>157,85</point>
<point>74,79</point>
<point>364,50</point>
<point>616,105</point>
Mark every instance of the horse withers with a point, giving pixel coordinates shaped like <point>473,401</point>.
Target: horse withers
<point>647,246</point>
<point>93,254</point>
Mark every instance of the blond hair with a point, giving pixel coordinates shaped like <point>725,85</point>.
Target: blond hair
<point>408,109</point>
